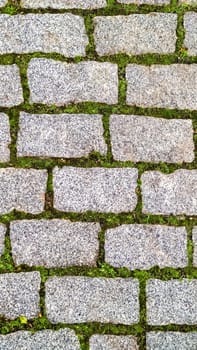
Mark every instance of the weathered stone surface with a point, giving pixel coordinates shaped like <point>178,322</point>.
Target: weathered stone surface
<point>5,138</point>
<point>64,4</point>
<point>54,243</point>
<point>63,339</point>
<point>43,32</point>
<point>147,139</point>
<point>135,34</point>
<point>60,135</point>
<point>3,3</point>
<point>19,294</point>
<point>174,193</point>
<point>96,189</point>
<point>171,341</point>
<point>145,246</point>
<point>148,2</point>
<point>195,246</point>
<point>171,302</point>
<point>190,25</point>
<point>11,93</point>
<point>165,86</point>
<point>86,299</point>
<point>23,190</point>
<point>2,238</point>
<point>60,83</point>
<point>113,342</point>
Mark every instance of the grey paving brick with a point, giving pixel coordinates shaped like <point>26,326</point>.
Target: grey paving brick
<point>54,243</point>
<point>60,135</point>
<point>61,33</point>
<point>113,342</point>
<point>19,294</point>
<point>145,246</point>
<point>168,194</point>
<point>2,238</point>
<point>11,93</point>
<point>171,302</point>
<point>148,2</point>
<point>86,299</point>
<point>195,246</point>
<point>96,189</point>
<point>190,25</point>
<point>164,86</point>
<point>63,339</point>
<point>171,341</point>
<point>53,82</point>
<point>135,34</point>
<point>3,2</point>
<point>23,190</point>
<point>5,138</point>
<point>147,139</point>
<point>64,4</point>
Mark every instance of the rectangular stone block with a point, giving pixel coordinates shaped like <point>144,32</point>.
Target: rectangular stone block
<point>171,302</point>
<point>146,139</point>
<point>5,138</point>
<point>113,342</point>
<point>60,83</point>
<point>170,194</point>
<point>19,295</point>
<point>11,93</point>
<point>64,4</point>
<point>163,86</point>
<point>142,247</point>
<point>195,246</point>
<point>63,339</point>
<point>190,26</point>
<point>135,34</point>
<point>54,243</point>
<point>86,299</point>
<point>60,135</point>
<point>148,2</point>
<point>96,189</point>
<point>171,340</point>
<point>22,190</point>
<point>2,237</point>
<point>43,32</point>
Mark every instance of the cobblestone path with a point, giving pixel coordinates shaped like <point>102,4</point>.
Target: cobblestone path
<point>98,175</point>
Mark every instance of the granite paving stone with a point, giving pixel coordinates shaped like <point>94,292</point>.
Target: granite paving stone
<point>135,34</point>
<point>148,2</point>
<point>61,33</point>
<point>54,243</point>
<point>113,342</point>
<point>23,190</point>
<point>195,246</point>
<point>64,4</point>
<point>63,339</point>
<point>2,238</point>
<point>163,86</point>
<point>142,247</point>
<point>109,190</point>
<point>11,93</point>
<point>85,299</point>
<point>5,138</point>
<point>3,2</point>
<point>171,341</point>
<point>190,26</point>
<point>59,83</point>
<point>19,294</point>
<point>171,302</point>
<point>170,194</point>
<point>148,139</point>
<point>60,135</point>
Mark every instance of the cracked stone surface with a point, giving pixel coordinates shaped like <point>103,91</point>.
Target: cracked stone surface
<point>5,138</point>
<point>135,34</point>
<point>19,295</point>
<point>64,4</point>
<point>113,342</point>
<point>85,299</point>
<point>171,341</point>
<point>54,243</point>
<point>60,135</point>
